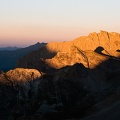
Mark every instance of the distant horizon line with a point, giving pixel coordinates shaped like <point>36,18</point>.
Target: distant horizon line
<point>18,45</point>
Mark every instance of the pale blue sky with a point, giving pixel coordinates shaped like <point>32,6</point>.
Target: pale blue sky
<point>55,20</point>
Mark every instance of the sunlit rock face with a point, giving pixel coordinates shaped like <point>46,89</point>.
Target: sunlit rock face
<point>89,59</point>
<point>107,40</point>
<point>81,50</point>
<point>23,75</point>
<point>21,79</point>
<point>89,50</point>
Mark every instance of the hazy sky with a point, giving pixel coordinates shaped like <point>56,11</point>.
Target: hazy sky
<point>25,22</point>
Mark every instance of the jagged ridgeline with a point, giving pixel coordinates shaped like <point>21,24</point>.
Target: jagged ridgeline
<point>89,50</point>
<point>78,79</point>
<point>9,55</point>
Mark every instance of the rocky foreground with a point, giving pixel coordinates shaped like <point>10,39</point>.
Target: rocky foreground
<point>79,79</point>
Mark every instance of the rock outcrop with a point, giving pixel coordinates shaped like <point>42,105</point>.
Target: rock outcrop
<point>17,88</point>
<point>109,41</point>
<point>75,55</point>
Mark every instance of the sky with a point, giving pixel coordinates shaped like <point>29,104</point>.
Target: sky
<point>25,22</point>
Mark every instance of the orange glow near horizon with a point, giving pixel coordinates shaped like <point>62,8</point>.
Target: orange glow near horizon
<point>22,35</point>
<point>25,22</point>
<point>25,35</point>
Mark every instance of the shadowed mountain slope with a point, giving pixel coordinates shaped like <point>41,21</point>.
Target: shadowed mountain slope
<point>9,48</point>
<point>8,58</point>
<point>70,92</point>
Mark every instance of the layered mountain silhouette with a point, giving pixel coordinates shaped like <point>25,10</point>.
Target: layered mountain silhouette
<point>8,57</point>
<point>79,79</point>
<point>9,48</point>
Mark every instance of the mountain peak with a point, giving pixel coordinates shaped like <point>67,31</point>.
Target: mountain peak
<point>107,40</point>
<point>9,48</point>
<point>81,50</point>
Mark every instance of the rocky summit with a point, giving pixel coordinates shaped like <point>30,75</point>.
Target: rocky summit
<point>100,46</point>
<point>78,79</point>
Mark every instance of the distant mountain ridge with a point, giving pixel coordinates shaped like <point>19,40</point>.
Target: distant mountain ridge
<point>9,58</point>
<point>9,48</point>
